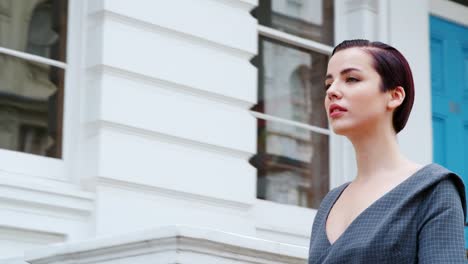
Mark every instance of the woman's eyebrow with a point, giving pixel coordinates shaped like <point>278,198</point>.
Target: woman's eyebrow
<point>344,71</point>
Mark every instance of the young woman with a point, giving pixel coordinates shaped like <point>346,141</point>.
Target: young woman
<point>395,210</point>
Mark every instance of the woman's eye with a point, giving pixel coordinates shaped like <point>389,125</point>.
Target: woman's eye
<point>351,79</point>
<point>327,86</point>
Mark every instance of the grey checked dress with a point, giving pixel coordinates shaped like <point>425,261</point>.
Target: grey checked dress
<point>421,220</point>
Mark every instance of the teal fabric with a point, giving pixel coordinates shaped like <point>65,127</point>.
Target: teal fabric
<point>419,221</point>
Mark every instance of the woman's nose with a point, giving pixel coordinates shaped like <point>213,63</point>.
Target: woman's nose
<point>332,92</point>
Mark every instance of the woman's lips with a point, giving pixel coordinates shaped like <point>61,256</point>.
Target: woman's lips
<point>337,113</point>
<point>336,110</point>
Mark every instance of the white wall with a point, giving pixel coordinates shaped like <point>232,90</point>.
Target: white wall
<point>409,33</point>
<point>158,128</point>
<point>169,87</point>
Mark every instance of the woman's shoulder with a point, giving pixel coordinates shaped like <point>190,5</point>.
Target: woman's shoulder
<point>431,175</point>
<point>442,186</point>
<point>439,177</point>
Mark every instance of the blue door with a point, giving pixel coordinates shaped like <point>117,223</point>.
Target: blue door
<point>449,75</point>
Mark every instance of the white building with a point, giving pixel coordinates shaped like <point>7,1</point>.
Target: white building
<point>191,131</point>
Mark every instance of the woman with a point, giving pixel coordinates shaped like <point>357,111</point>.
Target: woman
<point>395,210</point>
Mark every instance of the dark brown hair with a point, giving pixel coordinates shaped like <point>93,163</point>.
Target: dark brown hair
<point>394,70</point>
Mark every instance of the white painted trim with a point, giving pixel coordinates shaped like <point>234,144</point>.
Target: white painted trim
<point>106,15</point>
<point>40,195</point>
<point>170,85</point>
<point>210,201</point>
<point>66,209</point>
<point>337,158</point>
<point>449,10</point>
<point>241,4</point>
<point>284,223</point>
<point>26,164</point>
<point>31,57</point>
<point>52,189</point>
<point>28,235</point>
<point>294,40</point>
<point>74,86</point>
<point>94,127</point>
<point>319,130</point>
<point>384,16</point>
<point>182,242</point>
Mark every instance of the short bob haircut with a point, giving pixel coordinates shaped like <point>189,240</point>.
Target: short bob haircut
<point>394,71</point>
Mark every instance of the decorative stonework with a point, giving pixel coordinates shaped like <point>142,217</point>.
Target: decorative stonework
<point>355,5</point>
<point>174,244</point>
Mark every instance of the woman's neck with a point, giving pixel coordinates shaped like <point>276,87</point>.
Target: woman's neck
<point>377,154</point>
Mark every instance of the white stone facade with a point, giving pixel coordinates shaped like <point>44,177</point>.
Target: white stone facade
<point>158,134</point>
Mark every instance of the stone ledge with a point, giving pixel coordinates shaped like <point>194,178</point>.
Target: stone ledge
<point>172,244</point>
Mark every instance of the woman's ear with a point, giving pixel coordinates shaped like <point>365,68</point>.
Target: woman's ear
<point>396,98</point>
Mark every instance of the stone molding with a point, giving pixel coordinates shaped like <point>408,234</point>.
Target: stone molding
<point>172,244</point>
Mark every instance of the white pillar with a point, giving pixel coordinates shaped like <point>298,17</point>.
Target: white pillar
<point>169,132</point>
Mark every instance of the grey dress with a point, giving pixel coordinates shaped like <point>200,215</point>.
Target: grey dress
<point>421,220</point>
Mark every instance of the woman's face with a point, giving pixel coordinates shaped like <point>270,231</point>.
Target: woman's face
<point>353,101</point>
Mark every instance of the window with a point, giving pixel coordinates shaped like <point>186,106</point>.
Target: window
<point>32,62</point>
<point>292,158</point>
<point>461,2</point>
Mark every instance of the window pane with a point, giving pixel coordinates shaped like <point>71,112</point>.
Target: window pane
<point>291,83</point>
<point>311,19</point>
<point>36,27</point>
<point>461,2</point>
<point>31,106</point>
<point>292,164</point>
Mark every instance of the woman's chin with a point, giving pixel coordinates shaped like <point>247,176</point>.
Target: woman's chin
<point>341,130</point>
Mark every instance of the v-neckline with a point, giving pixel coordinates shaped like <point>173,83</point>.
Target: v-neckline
<point>365,210</point>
